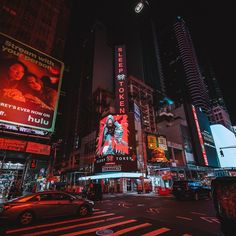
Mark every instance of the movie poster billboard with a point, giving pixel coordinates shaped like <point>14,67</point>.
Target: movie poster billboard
<point>113,153</point>
<point>157,150</point>
<point>29,85</point>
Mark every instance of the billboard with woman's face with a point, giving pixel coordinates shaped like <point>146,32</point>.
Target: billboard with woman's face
<point>29,85</point>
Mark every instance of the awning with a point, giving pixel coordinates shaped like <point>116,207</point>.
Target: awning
<point>113,175</point>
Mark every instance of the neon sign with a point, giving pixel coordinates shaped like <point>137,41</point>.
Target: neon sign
<point>121,80</point>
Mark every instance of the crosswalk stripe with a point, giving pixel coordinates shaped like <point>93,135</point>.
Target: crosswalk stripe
<point>156,232</point>
<point>99,212</point>
<point>86,231</point>
<point>96,209</point>
<point>126,230</point>
<point>69,227</point>
<point>56,223</point>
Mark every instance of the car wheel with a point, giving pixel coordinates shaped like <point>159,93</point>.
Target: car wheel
<point>196,196</point>
<point>26,218</point>
<point>83,211</point>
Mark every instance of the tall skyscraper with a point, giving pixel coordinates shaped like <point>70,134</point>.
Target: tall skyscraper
<point>183,79</point>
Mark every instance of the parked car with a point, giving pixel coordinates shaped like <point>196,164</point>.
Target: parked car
<point>44,204</point>
<point>224,199</point>
<point>190,189</point>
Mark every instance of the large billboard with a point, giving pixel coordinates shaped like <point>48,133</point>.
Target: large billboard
<point>205,138</point>
<point>225,140</point>
<point>113,152</point>
<point>157,149</point>
<point>30,84</point>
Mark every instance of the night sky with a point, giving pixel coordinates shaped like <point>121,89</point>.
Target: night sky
<point>210,23</point>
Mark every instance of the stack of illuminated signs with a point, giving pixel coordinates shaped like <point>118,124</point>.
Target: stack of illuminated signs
<point>113,151</point>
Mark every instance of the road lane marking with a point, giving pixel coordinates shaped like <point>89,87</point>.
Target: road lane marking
<point>153,210</point>
<point>198,213</point>
<point>96,209</point>
<point>210,219</point>
<point>184,218</point>
<point>126,230</point>
<point>69,227</point>
<point>86,231</point>
<point>56,223</point>
<point>99,212</point>
<point>157,232</point>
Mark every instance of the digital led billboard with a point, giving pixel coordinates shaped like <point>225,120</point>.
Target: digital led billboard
<point>24,146</point>
<point>225,140</point>
<point>30,83</point>
<point>113,152</point>
<point>206,138</point>
<point>157,150</point>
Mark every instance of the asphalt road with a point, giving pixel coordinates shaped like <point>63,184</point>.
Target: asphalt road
<point>132,215</point>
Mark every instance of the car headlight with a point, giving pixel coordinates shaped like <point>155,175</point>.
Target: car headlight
<point>91,202</point>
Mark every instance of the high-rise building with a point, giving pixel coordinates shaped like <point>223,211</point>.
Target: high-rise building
<point>183,79</point>
<point>41,26</point>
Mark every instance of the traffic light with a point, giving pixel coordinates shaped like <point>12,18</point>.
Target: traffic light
<point>33,164</point>
<point>221,153</point>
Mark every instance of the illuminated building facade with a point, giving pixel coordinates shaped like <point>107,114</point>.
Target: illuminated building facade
<point>42,26</point>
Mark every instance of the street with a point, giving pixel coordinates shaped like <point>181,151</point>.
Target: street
<point>132,214</point>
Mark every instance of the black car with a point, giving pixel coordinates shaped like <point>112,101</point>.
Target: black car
<point>224,199</point>
<point>190,189</point>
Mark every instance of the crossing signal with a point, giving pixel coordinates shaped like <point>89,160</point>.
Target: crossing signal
<point>33,164</point>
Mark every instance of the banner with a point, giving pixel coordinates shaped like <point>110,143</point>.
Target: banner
<point>30,84</point>
<point>24,146</point>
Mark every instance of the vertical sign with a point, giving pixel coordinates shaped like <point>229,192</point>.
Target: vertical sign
<point>200,136</point>
<point>121,80</point>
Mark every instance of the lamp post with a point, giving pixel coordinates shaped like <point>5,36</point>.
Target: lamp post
<point>140,6</point>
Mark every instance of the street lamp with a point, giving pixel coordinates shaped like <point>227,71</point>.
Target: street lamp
<point>140,5</point>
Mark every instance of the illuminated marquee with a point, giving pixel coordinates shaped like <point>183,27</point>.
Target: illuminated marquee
<point>121,80</point>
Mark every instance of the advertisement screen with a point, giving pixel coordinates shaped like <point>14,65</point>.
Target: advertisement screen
<point>157,150</point>
<point>24,146</point>
<point>207,142</point>
<point>112,150</point>
<point>29,85</point>
<point>226,144</point>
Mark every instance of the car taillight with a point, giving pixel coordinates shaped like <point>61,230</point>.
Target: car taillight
<point>6,207</point>
<point>186,186</point>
